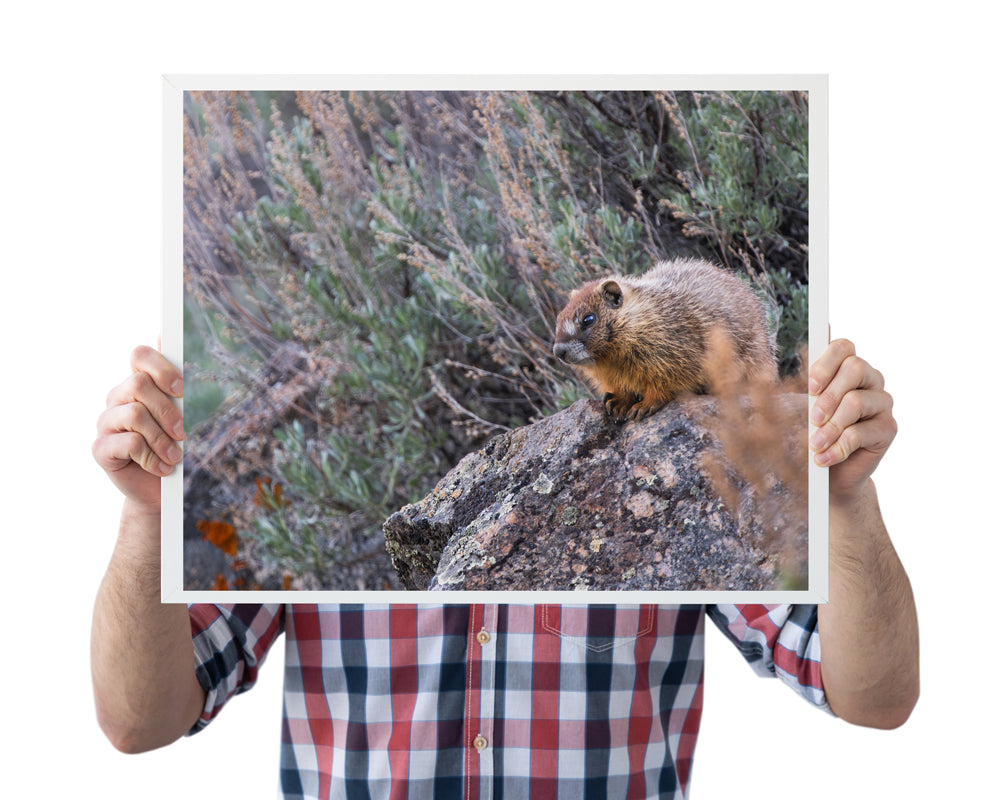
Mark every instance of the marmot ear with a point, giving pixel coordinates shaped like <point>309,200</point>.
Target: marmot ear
<point>611,292</point>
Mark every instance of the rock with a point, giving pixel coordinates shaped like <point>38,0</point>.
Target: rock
<point>577,502</point>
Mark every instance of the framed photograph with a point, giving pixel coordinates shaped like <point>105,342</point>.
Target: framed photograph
<point>487,339</point>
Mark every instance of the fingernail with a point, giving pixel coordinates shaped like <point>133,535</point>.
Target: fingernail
<point>818,440</point>
<point>814,386</point>
<point>163,468</point>
<point>824,459</point>
<point>817,416</point>
<point>177,387</point>
<point>173,453</point>
<point>178,430</point>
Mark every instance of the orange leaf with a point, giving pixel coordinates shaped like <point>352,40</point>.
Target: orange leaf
<point>286,581</point>
<point>263,486</point>
<point>221,534</point>
<point>221,584</point>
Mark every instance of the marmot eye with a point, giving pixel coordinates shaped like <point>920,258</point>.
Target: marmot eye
<point>588,320</point>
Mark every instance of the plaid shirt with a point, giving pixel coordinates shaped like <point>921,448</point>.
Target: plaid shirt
<point>492,701</point>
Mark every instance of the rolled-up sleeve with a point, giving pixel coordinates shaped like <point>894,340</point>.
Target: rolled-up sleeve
<point>778,640</point>
<point>230,645</point>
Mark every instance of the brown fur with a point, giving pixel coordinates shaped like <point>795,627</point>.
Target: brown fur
<point>657,335</point>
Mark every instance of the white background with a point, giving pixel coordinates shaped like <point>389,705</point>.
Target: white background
<point>913,282</point>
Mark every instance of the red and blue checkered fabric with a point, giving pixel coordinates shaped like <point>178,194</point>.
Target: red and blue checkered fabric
<point>492,701</point>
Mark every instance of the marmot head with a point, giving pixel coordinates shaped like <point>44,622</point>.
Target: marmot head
<point>584,327</point>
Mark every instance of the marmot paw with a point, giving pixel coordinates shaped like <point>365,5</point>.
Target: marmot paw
<point>620,406</point>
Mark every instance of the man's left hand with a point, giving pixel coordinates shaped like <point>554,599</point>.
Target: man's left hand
<point>853,415</point>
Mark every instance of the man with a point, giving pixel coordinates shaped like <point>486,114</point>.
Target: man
<point>494,700</point>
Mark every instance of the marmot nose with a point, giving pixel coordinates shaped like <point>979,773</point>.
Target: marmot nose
<point>560,350</point>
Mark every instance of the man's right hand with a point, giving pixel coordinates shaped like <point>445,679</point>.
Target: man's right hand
<point>138,433</point>
<point>145,687</point>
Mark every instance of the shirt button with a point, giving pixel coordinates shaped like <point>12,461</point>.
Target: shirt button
<point>483,636</point>
<point>480,743</point>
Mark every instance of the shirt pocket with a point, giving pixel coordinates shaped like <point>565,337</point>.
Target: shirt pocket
<point>598,628</point>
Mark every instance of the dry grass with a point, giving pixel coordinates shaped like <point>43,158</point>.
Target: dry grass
<point>762,432</point>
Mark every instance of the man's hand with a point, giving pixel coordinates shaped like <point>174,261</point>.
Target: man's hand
<point>853,415</point>
<point>868,629</point>
<point>145,688</point>
<point>138,433</point>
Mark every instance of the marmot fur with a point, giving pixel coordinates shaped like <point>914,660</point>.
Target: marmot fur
<point>642,340</point>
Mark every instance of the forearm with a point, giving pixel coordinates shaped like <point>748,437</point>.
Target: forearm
<point>868,630</point>
<point>142,659</point>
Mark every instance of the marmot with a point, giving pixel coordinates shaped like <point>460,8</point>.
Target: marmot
<point>642,340</point>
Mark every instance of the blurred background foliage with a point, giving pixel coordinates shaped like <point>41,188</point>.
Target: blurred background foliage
<point>420,245</point>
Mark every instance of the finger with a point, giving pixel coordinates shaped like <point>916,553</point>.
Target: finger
<point>873,436</point>
<point>856,406</point>
<point>140,388</point>
<point>117,451</point>
<point>827,365</point>
<point>135,418</point>
<point>164,374</point>
<point>852,373</point>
